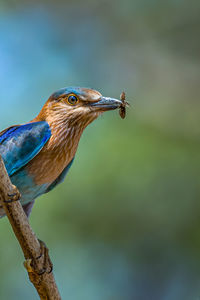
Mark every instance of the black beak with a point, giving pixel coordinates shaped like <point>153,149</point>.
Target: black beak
<point>106,103</point>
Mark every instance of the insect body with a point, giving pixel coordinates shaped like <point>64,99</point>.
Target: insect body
<point>122,109</point>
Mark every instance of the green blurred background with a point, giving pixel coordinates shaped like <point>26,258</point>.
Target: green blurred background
<point>125,224</point>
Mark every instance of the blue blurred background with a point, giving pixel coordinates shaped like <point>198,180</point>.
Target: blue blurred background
<point>125,224</point>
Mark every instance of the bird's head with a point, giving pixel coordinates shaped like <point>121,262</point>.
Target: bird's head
<point>76,107</point>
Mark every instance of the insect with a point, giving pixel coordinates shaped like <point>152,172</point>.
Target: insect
<point>122,109</point>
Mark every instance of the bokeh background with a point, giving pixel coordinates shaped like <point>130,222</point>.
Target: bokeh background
<point>125,224</point>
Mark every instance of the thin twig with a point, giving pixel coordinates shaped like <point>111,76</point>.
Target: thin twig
<point>38,263</point>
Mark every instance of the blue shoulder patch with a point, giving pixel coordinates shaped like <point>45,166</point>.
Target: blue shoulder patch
<point>20,144</point>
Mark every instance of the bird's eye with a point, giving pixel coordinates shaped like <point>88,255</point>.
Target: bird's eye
<point>72,99</point>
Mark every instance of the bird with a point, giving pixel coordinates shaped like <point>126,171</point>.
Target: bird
<point>38,154</point>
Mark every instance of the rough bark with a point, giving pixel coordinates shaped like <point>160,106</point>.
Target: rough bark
<point>38,263</point>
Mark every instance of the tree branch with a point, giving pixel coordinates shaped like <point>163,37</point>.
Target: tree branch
<point>38,263</point>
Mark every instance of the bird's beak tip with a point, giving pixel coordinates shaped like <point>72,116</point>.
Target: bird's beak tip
<point>107,103</point>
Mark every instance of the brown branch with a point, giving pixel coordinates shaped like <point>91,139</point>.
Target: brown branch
<point>38,263</point>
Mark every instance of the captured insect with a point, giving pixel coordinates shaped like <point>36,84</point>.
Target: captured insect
<point>122,109</point>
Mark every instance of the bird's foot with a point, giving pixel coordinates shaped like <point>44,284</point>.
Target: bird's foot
<point>43,262</point>
<point>13,196</point>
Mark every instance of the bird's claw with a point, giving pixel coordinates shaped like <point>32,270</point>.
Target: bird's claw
<point>13,197</point>
<point>32,266</point>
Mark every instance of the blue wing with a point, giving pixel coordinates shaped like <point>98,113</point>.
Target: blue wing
<point>19,144</point>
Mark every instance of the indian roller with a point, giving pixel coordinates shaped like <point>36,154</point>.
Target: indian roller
<point>38,155</point>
